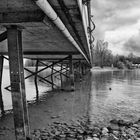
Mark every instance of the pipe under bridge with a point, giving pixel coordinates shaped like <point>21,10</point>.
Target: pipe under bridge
<point>55,31</point>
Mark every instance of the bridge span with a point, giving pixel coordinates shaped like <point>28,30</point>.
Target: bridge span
<point>56,31</point>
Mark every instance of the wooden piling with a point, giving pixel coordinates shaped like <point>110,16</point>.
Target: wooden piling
<point>1,72</point>
<point>83,69</point>
<point>20,111</point>
<point>61,78</point>
<point>52,76</point>
<point>71,73</point>
<point>35,80</point>
<point>80,70</point>
<point>67,69</point>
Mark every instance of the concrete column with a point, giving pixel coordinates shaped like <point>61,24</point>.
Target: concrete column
<point>71,74</point>
<point>20,111</point>
<point>1,72</point>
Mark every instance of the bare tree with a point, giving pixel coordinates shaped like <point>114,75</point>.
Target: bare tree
<point>102,56</point>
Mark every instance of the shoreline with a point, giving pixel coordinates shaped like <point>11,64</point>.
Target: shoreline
<point>116,130</point>
<point>104,69</point>
<point>56,106</point>
<point>60,115</point>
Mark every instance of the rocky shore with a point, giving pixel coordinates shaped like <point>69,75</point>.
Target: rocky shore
<point>116,130</point>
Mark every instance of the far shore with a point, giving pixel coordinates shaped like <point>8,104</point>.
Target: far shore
<point>104,68</point>
<point>99,69</point>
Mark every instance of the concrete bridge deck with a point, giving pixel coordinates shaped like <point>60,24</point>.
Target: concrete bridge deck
<point>41,34</point>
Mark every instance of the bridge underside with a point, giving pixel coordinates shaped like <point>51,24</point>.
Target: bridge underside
<point>40,36</point>
<point>27,32</point>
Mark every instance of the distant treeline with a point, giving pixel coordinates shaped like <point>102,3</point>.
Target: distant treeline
<point>102,56</point>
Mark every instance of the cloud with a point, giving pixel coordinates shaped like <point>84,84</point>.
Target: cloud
<point>133,45</point>
<point>112,14</point>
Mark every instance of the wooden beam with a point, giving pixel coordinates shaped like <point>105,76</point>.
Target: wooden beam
<point>35,73</point>
<point>17,83</point>
<point>3,36</point>
<point>47,67</point>
<point>56,71</point>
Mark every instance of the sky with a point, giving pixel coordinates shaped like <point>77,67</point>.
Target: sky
<point>118,23</point>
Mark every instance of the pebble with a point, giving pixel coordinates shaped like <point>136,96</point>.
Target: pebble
<point>89,138</point>
<point>104,131</point>
<point>82,131</point>
<point>95,138</point>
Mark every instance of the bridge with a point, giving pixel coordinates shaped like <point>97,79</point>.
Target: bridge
<point>56,31</point>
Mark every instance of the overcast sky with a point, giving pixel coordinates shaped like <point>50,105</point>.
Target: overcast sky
<point>118,22</point>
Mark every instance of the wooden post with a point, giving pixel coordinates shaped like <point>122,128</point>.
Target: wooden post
<point>17,83</point>
<point>1,72</point>
<point>52,76</point>
<point>84,71</point>
<point>35,80</point>
<point>80,73</point>
<point>67,66</point>
<point>82,66</point>
<point>71,74</point>
<point>61,78</point>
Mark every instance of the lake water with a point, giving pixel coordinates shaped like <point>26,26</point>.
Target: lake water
<point>114,94</point>
<point>30,87</point>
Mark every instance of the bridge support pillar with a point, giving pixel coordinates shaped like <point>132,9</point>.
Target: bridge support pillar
<point>20,111</point>
<point>1,72</point>
<point>71,74</point>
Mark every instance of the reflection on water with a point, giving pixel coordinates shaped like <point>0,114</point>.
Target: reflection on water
<point>115,94</point>
<point>30,87</point>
